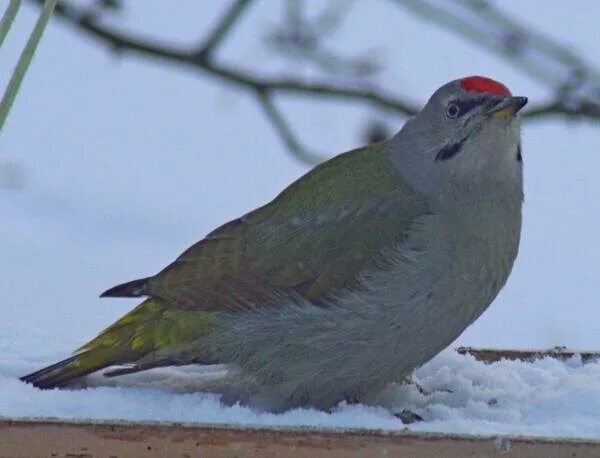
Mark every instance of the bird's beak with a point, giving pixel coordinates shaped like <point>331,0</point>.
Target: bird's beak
<point>508,106</point>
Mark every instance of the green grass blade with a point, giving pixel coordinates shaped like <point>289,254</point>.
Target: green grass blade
<point>24,60</point>
<point>7,19</point>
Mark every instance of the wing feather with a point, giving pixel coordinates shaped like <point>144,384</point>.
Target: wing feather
<point>312,240</point>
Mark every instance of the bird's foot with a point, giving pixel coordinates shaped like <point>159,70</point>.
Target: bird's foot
<point>408,416</point>
<point>408,380</point>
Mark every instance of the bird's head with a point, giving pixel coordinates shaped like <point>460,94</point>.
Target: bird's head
<point>468,132</point>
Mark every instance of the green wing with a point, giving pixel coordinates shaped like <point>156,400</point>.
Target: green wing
<point>312,240</point>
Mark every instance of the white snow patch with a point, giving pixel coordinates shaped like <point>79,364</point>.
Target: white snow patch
<point>547,397</point>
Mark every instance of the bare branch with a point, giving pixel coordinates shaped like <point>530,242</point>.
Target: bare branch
<point>576,85</point>
<point>589,111</point>
<point>223,28</point>
<point>282,128</point>
<point>202,60</point>
<point>301,38</point>
<point>374,97</point>
<point>122,42</point>
<point>483,25</point>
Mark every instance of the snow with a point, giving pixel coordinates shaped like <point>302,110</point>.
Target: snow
<point>458,394</point>
<point>134,161</point>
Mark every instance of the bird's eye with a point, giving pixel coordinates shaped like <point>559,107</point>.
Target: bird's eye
<point>452,110</point>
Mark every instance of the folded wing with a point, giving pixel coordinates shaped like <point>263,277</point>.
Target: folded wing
<point>311,241</point>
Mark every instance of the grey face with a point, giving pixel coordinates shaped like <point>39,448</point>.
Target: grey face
<point>462,135</point>
<point>461,116</point>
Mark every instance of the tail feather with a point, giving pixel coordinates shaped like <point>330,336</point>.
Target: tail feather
<point>137,340</point>
<point>63,372</point>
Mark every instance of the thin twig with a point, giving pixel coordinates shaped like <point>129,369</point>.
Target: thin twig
<point>216,37</point>
<point>284,131</point>
<point>574,81</point>
<point>120,41</point>
<point>585,110</point>
<point>480,24</point>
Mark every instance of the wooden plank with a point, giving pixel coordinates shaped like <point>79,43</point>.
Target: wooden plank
<point>53,438</point>
<point>492,355</point>
<point>91,439</point>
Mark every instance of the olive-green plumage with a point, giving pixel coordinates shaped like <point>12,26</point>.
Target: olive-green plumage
<point>148,328</point>
<point>356,274</point>
<point>312,240</point>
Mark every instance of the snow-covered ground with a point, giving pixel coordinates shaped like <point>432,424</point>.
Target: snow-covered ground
<point>546,397</point>
<point>134,161</point>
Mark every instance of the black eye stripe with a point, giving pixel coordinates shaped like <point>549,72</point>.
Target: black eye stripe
<point>467,105</point>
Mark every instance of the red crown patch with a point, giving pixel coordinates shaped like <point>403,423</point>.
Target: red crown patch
<point>483,84</point>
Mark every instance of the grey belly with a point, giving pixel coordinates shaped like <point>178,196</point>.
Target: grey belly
<point>401,316</point>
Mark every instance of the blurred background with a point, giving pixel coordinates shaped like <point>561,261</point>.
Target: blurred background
<point>142,125</point>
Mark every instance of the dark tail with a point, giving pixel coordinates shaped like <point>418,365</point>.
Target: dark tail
<point>135,288</point>
<point>119,343</point>
<point>62,373</point>
<point>132,341</point>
